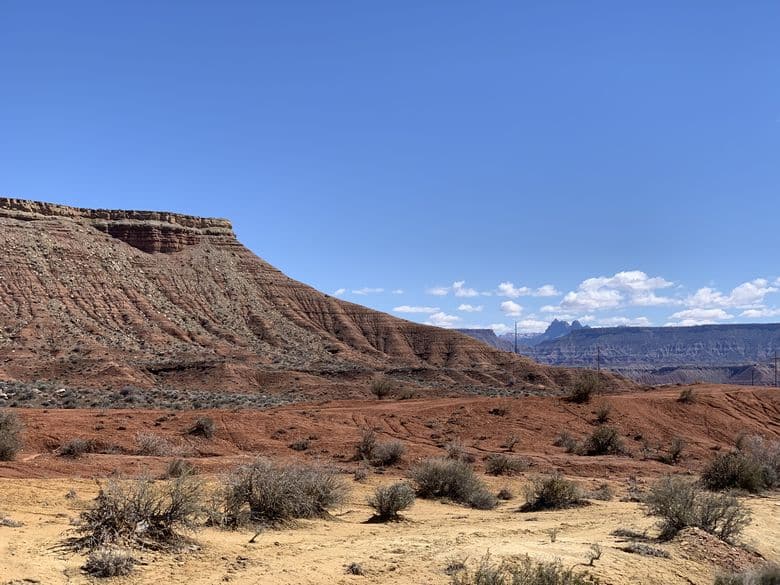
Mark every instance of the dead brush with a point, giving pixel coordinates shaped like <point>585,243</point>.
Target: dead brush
<point>140,513</point>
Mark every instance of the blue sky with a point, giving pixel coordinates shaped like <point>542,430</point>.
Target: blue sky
<point>611,161</point>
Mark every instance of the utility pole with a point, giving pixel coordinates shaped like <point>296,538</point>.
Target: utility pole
<point>598,359</point>
<point>515,336</point>
<point>775,368</point>
<point>752,375</point>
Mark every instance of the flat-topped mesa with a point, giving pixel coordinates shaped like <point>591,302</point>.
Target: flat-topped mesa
<point>149,231</point>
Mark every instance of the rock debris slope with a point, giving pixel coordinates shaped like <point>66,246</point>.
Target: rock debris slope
<point>111,298</point>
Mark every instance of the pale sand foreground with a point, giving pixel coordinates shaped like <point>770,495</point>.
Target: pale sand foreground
<point>316,552</point>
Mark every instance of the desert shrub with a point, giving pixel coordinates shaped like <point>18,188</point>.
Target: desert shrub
<point>766,575</point>
<point>10,435</point>
<point>179,468</point>
<point>603,493</point>
<point>567,441</point>
<point>388,453</point>
<point>75,448</point>
<point>366,445</point>
<point>500,464</point>
<point>510,443</point>
<point>766,454</point>
<point>586,385</point>
<point>449,478</point>
<point>674,453</point>
<point>388,501</point>
<point>355,569</point>
<point>455,450</point>
<point>107,562</point>
<point>551,492</point>
<point>645,550</point>
<point>150,444</point>
<point>602,412</point>
<point>520,572</point>
<point>505,494</point>
<point>140,513</point>
<point>733,470</point>
<point>300,445</point>
<point>381,387</point>
<point>687,396</point>
<point>267,493</point>
<point>681,503</point>
<point>604,440</point>
<point>203,427</point>
<point>361,473</point>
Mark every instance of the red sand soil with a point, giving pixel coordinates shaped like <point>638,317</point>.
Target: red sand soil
<point>481,425</point>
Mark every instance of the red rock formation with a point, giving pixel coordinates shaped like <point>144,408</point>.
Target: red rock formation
<point>103,297</point>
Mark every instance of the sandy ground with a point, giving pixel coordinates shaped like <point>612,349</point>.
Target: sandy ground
<point>416,550</point>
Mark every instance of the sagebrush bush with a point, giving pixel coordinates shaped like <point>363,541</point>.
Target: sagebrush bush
<point>586,385</point>
<point>388,501</point>
<point>368,448</point>
<point>602,412</point>
<point>520,572</point>
<point>567,441</point>
<point>501,464</point>
<point>153,445</point>
<point>107,562</point>
<point>453,479</point>
<point>381,387</point>
<point>75,448</point>
<point>179,468</point>
<point>10,435</point>
<point>551,492</point>
<point>681,502</point>
<point>267,493</point>
<point>687,396</point>
<point>733,470</point>
<point>604,440</point>
<point>766,575</point>
<point>203,427</point>
<point>140,513</point>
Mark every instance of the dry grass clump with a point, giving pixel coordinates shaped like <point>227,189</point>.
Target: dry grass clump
<point>108,562</point>
<point>179,468</point>
<point>551,492</point>
<point>203,427</point>
<point>681,502</point>
<point>140,513</point>
<point>75,448</point>
<point>388,501</point>
<point>567,441</point>
<point>766,575</point>
<point>267,493</point>
<point>687,396</point>
<point>152,445</point>
<point>452,479</point>
<point>10,435</point>
<point>381,387</point>
<point>501,464</point>
<point>378,454</point>
<point>520,572</point>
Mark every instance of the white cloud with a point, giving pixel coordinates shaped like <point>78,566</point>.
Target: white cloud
<point>547,290</point>
<point>690,317</point>
<point>760,313</point>
<point>500,328</point>
<point>508,289</point>
<point>532,326</point>
<point>367,291</point>
<point>398,291</point>
<point>511,309</point>
<point>441,319</point>
<point>461,290</point>
<point>632,287</point>
<point>748,295</point>
<point>624,322</point>
<point>466,308</point>
<point>409,309</point>
<point>438,291</point>
<point>339,291</point>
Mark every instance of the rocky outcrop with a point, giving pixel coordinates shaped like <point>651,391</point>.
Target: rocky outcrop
<point>103,297</point>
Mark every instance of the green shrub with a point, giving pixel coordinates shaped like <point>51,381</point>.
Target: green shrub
<point>604,440</point>
<point>453,479</point>
<point>687,396</point>
<point>388,501</point>
<point>75,448</point>
<point>681,503</point>
<point>10,435</point>
<point>551,492</point>
<point>388,453</point>
<point>586,385</point>
<point>567,441</point>
<point>381,387</point>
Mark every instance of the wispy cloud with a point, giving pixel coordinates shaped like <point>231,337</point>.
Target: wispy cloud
<point>690,317</point>
<point>367,291</point>
<point>442,319</point>
<point>411,309</point>
<point>339,291</point>
<point>508,289</point>
<point>466,308</point>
